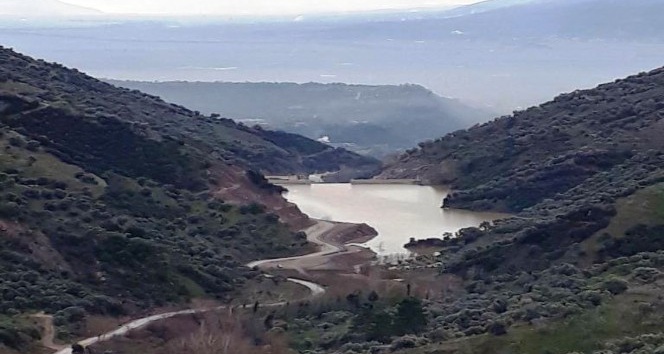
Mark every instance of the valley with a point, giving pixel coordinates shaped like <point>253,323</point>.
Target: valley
<point>563,271</point>
<point>153,215</point>
<point>110,210</point>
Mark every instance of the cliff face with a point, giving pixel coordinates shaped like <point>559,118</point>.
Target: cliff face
<point>513,162</point>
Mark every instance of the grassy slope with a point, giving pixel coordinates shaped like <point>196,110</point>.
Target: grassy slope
<point>626,315</point>
<point>645,207</point>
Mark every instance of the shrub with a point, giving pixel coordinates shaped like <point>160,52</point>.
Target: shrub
<point>9,209</point>
<point>253,208</point>
<point>32,145</point>
<point>408,341</point>
<point>646,274</point>
<point>614,285</point>
<point>16,141</point>
<point>499,305</point>
<point>497,328</point>
<point>69,315</point>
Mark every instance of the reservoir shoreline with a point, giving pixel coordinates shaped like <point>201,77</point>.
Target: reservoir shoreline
<point>302,179</point>
<point>398,212</point>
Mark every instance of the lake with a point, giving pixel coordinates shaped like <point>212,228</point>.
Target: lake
<point>397,212</point>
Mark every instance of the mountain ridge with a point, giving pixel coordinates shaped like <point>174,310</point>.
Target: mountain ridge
<point>364,118</point>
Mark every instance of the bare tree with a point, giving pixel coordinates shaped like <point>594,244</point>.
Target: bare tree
<point>224,335</point>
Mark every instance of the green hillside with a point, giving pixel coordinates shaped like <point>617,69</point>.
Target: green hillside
<point>110,199</point>
<point>577,268</point>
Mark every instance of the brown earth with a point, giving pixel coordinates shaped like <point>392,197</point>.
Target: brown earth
<point>235,188</point>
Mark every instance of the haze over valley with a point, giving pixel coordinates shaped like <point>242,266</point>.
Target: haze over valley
<point>372,120</point>
<point>499,58</point>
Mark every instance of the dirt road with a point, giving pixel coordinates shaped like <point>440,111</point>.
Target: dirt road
<point>48,336</point>
<point>315,234</point>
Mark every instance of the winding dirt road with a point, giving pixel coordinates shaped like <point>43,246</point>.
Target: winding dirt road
<point>316,290</point>
<point>314,233</point>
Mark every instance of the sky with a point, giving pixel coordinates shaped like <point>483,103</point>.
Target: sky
<point>257,7</point>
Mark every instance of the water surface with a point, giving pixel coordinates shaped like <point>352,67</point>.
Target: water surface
<point>397,212</point>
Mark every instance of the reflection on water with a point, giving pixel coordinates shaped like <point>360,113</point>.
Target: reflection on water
<point>397,212</point>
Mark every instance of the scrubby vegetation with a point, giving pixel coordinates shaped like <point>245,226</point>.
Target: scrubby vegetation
<point>17,333</point>
<point>108,203</point>
<point>85,228</point>
<point>51,98</point>
<point>561,309</point>
<point>516,161</point>
<point>76,243</point>
<point>579,268</point>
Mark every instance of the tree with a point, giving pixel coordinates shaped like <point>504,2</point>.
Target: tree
<point>497,328</point>
<point>380,327</point>
<point>615,285</point>
<point>410,317</point>
<point>269,321</point>
<point>354,299</point>
<point>77,349</point>
<point>373,296</point>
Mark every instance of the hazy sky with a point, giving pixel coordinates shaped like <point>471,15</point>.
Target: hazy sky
<point>257,7</point>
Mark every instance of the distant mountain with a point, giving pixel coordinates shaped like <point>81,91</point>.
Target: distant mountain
<point>499,55</point>
<point>484,6</point>
<point>44,8</point>
<point>369,119</point>
<point>587,19</point>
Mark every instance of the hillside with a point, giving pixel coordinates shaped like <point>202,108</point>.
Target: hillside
<point>370,119</point>
<point>578,267</point>
<point>220,138</point>
<point>515,162</point>
<point>113,202</point>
